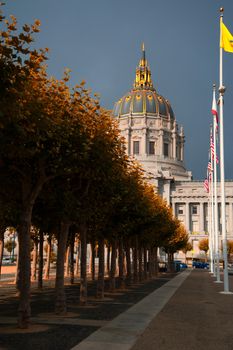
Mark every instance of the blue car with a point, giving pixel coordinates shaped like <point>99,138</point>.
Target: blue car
<point>183,266</point>
<point>200,265</point>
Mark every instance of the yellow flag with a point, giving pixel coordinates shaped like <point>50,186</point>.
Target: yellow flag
<point>226,41</point>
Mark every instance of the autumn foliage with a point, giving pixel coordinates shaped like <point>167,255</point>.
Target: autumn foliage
<point>63,169</point>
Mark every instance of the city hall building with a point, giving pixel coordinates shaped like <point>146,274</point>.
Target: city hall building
<point>154,138</point>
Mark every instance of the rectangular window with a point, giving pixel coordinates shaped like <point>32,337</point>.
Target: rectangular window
<point>194,209</point>
<point>135,147</point>
<point>180,210</point>
<point>165,149</point>
<point>151,147</point>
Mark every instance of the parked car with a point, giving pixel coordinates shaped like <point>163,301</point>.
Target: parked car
<point>200,265</point>
<point>230,269</point>
<point>183,266</point>
<point>180,264</point>
<point>162,267</point>
<point>6,260</point>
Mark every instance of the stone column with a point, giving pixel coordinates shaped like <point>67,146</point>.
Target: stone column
<point>128,140</point>
<point>201,217</point>
<point>144,142</point>
<point>187,216</point>
<point>166,190</point>
<point>174,143</point>
<point>174,208</point>
<point>160,142</point>
<point>182,143</point>
<point>182,151</point>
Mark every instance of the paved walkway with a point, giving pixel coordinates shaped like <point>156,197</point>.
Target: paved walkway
<point>187,313</point>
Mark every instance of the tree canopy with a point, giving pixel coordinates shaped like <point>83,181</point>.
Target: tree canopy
<point>63,163</point>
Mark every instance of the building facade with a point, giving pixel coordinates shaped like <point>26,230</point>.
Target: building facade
<point>154,138</point>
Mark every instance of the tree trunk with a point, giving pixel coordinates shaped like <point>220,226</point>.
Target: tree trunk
<point>16,279</point>
<point>135,260</point>
<point>128,262</point>
<point>156,261</point>
<point>1,249</point>
<point>140,263</point>
<point>172,262</point>
<point>72,259</point>
<point>48,261</point>
<point>124,263</point>
<point>153,261</point>
<point>93,261</point>
<point>145,263</point>
<point>24,268</point>
<point>76,271</point>
<point>34,260</point>
<point>83,275</point>
<point>67,257</point>
<point>113,266</point>
<point>60,297</point>
<point>121,264</point>
<point>150,262</point>
<point>29,195</point>
<point>41,261</point>
<point>108,259</point>
<point>170,267</point>
<point>100,282</point>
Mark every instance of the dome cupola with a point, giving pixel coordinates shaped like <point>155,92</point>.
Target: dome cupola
<point>148,125</point>
<point>143,98</point>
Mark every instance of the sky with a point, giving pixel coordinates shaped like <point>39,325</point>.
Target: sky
<point>100,41</point>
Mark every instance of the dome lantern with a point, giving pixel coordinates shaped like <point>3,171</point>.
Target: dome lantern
<point>143,73</point>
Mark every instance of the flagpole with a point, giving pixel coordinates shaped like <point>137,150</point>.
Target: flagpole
<point>210,229</point>
<point>212,213</point>
<point>221,90</point>
<point>216,204</point>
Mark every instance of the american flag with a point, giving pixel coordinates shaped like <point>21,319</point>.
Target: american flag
<point>210,176</point>
<point>209,167</point>
<point>206,185</point>
<point>212,149</point>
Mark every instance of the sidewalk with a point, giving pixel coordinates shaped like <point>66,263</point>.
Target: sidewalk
<point>49,331</point>
<point>187,313</point>
<point>196,317</point>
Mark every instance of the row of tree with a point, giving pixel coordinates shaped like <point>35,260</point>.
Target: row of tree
<point>204,246</point>
<point>64,171</point>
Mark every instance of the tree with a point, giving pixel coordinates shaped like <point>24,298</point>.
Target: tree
<point>10,246</point>
<point>229,249</point>
<point>187,249</point>
<point>42,133</point>
<point>177,240</point>
<point>204,245</point>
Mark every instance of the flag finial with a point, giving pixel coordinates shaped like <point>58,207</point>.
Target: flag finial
<point>222,89</point>
<point>221,9</point>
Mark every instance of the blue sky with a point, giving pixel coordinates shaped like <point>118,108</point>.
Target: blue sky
<point>100,40</point>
